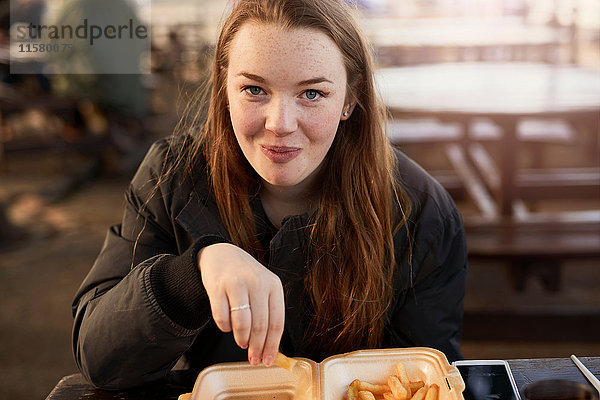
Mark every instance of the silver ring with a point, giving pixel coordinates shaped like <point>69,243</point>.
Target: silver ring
<point>242,307</point>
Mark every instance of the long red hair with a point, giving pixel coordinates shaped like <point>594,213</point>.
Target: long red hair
<point>361,202</point>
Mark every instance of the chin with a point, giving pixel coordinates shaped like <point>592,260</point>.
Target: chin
<point>284,176</point>
<point>283,182</point>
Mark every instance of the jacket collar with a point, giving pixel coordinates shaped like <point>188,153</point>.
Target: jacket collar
<point>199,218</point>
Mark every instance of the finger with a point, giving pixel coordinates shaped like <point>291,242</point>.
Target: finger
<point>276,325</point>
<point>260,321</point>
<point>240,319</point>
<point>219,307</point>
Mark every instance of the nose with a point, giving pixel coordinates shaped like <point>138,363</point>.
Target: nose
<point>281,118</point>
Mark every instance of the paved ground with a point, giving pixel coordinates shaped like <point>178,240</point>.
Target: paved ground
<point>38,278</point>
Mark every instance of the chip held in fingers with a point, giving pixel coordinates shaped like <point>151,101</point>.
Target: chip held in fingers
<point>284,362</point>
<point>397,387</point>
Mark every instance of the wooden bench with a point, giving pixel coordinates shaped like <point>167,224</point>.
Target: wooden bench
<point>431,130</point>
<point>476,173</point>
<point>529,130</point>
<point>559,183</point>
<point>545,324</point>
<point>535,184</point>
<point>423,131</point>
<point>530,243</point>
<point>536,244</point>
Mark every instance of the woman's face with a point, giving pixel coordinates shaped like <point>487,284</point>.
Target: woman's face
<point>287,94</point>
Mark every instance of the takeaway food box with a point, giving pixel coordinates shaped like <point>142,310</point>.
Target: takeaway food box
<point>327,380</point>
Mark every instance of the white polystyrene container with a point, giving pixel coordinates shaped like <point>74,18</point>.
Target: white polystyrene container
<point>329,379</point>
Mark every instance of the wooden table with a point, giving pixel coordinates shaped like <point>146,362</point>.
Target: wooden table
<point>402,41</point>
<point>506,93</point>
<point>74,387</point>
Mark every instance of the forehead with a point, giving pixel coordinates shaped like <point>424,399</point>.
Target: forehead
<point>274,53</point>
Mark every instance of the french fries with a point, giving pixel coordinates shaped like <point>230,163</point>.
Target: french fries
<point>388,396</point>
<point>432,392</point>
<point>353,390</point>
<point>420,395</point>
<point>403,376</point>
<point>416,385</point>
<point>398,387</point>
<point>284,362</point>
<point>375,389</point>
<point>365,395</point>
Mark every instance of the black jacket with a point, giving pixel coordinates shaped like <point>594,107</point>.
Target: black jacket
<point>142,306</point>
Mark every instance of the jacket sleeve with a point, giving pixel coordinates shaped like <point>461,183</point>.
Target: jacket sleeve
<point>429,313</point>
<point>123,332</point>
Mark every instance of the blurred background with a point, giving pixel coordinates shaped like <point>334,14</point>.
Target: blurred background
<point>498,99</point>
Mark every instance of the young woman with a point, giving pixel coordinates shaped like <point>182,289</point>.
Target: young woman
<point>284,221</point>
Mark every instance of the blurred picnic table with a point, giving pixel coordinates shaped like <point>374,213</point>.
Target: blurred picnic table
<point>482,114</point>
<point>512,96</point>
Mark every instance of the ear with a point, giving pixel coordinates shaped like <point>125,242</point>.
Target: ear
<point>347,110</point>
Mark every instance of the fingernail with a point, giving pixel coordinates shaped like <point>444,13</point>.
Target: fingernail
<point>268,361</point>
<point>254,361</point>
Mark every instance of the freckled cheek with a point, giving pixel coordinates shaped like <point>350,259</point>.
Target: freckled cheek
<point>246,123</point>
<point>322,128</point>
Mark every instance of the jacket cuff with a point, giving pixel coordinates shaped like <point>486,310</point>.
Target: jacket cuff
<point>178,289</point>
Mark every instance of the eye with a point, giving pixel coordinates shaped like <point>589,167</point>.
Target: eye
<point>312,94</point>
<point>253,90</point>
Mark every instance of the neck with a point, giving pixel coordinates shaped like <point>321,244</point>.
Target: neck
<point>279,202</point>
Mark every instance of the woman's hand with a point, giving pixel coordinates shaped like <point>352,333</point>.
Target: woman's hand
<point>233,278</point>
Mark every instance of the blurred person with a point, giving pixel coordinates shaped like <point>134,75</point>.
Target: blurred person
<point>31,79</point>
<point>280,218</point>
<point>170,61</point>
<point>92,71</point>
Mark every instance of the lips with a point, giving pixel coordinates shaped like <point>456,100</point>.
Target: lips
<point>280,154</point>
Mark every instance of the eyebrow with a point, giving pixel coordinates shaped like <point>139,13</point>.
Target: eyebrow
<point>252,76</point>
<point>313,81</point>
<point>305,82</point>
